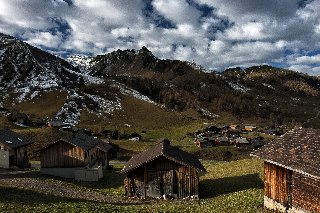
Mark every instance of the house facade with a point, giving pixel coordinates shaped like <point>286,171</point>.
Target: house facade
<point>14,149</point>
<point>66,156</point>
<point>163,170</point>
<point>292,172</point>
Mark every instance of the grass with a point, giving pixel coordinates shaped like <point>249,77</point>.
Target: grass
<point>139,114</point>
<point>46,104</point>
<point>227,187</point>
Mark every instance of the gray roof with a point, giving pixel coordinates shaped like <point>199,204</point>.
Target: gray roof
<point>164,149</point>
<point>242,140</point>
<point>85,142</point>
<point>13,139</point>
<point>297,150</point>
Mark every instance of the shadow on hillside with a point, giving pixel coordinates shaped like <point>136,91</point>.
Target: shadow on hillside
<point>215,187</point>
<point>29,197</point>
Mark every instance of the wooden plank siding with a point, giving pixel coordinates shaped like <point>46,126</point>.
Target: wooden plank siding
<point>162,177</point>
<point>275,183</point>
<point>62,154</point>
<point>305,193</point>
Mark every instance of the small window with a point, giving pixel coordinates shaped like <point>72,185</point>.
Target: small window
<point>85,155</point>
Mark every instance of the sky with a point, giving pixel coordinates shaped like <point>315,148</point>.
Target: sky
<point>216,34</point>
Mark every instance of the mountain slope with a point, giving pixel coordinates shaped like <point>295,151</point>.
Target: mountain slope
<point>101,85</point>
<point>260,92</point>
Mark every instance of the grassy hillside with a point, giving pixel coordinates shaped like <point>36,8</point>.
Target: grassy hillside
<point>140,116</point>
<point>227,187</point>
<point>46,104</point>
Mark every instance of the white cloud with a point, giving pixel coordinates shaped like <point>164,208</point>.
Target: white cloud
<point>234,33</point>
<point>178,11</point>
<point>305,69</point>
<point>45,39</point>
<point>247,31</point>
<point>307,59</point>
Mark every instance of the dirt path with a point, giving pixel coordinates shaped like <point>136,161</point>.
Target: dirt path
<point>61,189</point>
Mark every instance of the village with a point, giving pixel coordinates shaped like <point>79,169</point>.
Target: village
<point>166,172</point>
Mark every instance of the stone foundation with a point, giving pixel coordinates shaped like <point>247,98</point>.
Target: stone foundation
<point>273,205</point>
<point>93,174</point>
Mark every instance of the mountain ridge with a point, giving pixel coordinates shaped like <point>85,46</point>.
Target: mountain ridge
<point>98,84</point>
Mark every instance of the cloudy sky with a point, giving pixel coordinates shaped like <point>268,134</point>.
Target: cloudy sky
<point>216,34</point>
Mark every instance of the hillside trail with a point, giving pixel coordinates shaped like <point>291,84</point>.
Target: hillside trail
<point>32,181</point>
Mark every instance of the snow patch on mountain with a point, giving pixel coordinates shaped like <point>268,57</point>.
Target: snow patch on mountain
<point>70,111</point>
<point>198,67</point>
<point>208,113</point>
<point>83,62</point>
<point>238,87</point>
<point>106,106</point>
<point>88,79</point>
<point>268,85</point>
<point>131,92</point>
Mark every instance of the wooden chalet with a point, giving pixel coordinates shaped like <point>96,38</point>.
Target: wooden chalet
<point>223,141</point>
<point>13,149</point>
<point>258,142</point>
<point>292,171</point>
<point>250,128</point>
<point>163,170</point>
<point>205,142</point>
<point>64,156</point>
<point>235,127</point>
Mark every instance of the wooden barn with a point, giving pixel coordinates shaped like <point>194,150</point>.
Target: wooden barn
<point>292,171</point>
<point>13,149</point>
<point>163,170</point>
<point>65,156</point>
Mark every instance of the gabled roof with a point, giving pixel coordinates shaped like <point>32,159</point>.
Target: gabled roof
<point>242,141</point>
<point>297,150</point>
<point>85,142</point>
<point>164,149</point>
<point>13,139</point>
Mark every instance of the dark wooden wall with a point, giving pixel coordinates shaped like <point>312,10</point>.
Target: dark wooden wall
<point>305,193</point>
<point>162,177</point>
<point>62,154</point>
<point>276,183</point>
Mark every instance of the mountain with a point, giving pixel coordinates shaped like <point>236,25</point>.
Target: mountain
<point>261,92</point>
<point>106,86</point>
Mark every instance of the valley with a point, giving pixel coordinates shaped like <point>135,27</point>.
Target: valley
<point>131,91</point>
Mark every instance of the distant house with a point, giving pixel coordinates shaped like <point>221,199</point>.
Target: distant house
<point>258,142</point>
<point>65,156</point>
<point>163,170</point>
<point>56,123</point>
<point>204,142</point>
<point>250,128</point>
<point>13,149</point>
<point>242,142</point>
<point>223,141</point>
<point>213,129</point>
<point>292,171</point>
<point>135,137</point>
<point>234,127</point>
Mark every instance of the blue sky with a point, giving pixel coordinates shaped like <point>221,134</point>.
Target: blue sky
<point>216,34</point>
